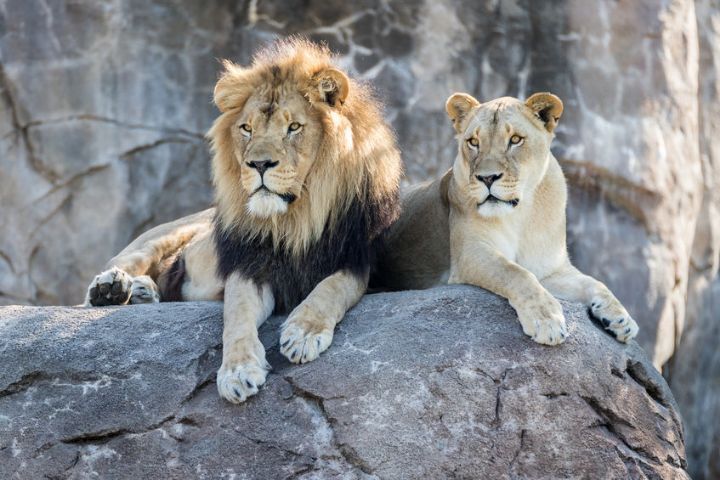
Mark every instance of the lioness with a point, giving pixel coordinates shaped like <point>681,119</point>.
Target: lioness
<point>497,220</point>
<point>306,174</point>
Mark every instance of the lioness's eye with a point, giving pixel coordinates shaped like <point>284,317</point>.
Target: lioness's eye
<point>516,139</point>
<point>245,128</point>
<point>294,127</point>
<point>473,142</point>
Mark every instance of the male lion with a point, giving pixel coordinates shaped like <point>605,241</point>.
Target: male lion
<point>306,175</point>
<point>497,220</point>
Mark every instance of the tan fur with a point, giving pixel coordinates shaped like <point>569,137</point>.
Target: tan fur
<point>201,278</point>
<point>450,226</point>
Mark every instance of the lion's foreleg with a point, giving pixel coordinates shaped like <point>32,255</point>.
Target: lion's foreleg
<point>570,284</point>
<point>540,314</point>
<point>308,330</point>
<point>244,368</point>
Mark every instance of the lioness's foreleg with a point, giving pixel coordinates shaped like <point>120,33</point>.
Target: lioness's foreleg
<point>540,314</point>
<point>569,283</point>
<point>244,368</point>
<point>308,330</point>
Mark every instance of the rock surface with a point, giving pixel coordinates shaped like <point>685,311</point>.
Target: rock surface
<point>426,384</point>
<point>103,107</point>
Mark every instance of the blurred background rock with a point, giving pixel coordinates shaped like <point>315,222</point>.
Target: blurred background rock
<point>104,104</point>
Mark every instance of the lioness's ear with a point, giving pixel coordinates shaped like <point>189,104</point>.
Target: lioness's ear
<point>547,107</point>
<point>231,90</point>
<point>333,86</point>
<point>458,106</point>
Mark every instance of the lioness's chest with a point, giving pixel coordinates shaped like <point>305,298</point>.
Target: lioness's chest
<point>539,258</point>
<point>533,249</point>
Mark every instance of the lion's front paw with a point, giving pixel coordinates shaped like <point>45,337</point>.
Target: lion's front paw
<point>111,287</point>
<point>237,382</point>
<point>609,312</point>
<point>305,335</point>
<point>543,320</point>
<point>144,290</point>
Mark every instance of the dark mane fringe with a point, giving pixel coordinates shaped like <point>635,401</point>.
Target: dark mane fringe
<point>350,244</point>
<point>170,282</point>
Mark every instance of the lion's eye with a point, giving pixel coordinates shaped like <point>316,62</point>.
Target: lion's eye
<point>294,127</point>
<point>245,128</point>
<point>473,142</point>
<point>516,139</point>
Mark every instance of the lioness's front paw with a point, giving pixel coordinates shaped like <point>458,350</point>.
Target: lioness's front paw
<point>305,335</point>
<point>236,383</point>
<point>543,320</point>
<point>111,287</point>
<point>610,313</point>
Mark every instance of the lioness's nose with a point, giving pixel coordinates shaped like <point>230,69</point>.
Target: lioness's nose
<point>489,179</point>
<point>262,165</point>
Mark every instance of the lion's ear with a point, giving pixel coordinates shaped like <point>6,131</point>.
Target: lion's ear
<point>333,86</point>
<point>458,106</point>
<point>231,90</point>
<point>547,107</point>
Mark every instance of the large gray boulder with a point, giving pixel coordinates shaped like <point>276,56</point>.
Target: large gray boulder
<point>424,384</point>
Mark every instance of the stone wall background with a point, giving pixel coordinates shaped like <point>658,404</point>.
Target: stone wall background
<point>103,107</point>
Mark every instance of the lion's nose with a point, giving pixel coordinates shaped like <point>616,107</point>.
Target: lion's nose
<point>262,165</point>
<point>489,179</point>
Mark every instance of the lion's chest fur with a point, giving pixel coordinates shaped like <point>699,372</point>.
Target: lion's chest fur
<point>291,277</point>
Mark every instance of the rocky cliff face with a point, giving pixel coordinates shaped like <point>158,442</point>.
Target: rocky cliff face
<point>103,107</point>
<point>695,369</point>
<point>433,384</point>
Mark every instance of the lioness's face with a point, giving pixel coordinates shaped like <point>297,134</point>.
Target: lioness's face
<point>275,140</point>
<point>503,148</point>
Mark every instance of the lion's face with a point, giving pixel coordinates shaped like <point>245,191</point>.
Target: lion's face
<point>275,144</point>
<point>275,119</point>
<point>503,148</point>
